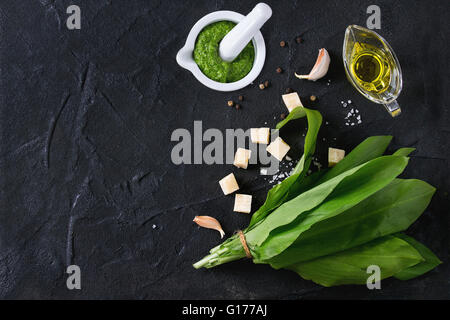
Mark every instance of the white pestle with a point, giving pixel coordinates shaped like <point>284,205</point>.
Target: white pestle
<point>236,40</point>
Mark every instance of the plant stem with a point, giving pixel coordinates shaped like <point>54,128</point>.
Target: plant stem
<point>221,254</point>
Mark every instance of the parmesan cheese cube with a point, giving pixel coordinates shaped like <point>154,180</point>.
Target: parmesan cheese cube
<point>334,156</point>
<point>292,101</point>
<point>260,135</point>
<point>241,158</point>
<point>229,184</point>
<point>243,203</point>
<point>278,148</point>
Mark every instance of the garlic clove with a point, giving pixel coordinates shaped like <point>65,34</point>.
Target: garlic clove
<point>320,68</point>
<point>210,223</point>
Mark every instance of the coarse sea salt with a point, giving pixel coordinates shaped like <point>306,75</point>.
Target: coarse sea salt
<point>353,117</point>
<point>285,169</point>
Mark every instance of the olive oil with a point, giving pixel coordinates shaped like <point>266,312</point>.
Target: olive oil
<point>371,68</point>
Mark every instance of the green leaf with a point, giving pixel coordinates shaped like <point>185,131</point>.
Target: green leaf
<point>314,122</point>
<point>369,149</point>
<point>303,185</point>
<point>296,113</point>
<point>404,152</point>
<point>277,195</point>
<point>389,253</point>
<point>352,186</point>
<point>431,261</point>
<point>390,210</point>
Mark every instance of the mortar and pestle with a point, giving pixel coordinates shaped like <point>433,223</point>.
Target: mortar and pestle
<point>246,30</point>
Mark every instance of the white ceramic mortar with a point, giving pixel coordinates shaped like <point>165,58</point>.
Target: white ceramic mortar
<point>235,41</point>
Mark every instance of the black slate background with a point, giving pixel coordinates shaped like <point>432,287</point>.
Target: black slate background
<point>86,117</point>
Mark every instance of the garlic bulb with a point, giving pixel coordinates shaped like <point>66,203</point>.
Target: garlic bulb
<point>210,223</point>
<point>320,69</point>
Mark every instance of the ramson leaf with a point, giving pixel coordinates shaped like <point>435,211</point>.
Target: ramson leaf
<point>296,113</point>
<point>389,253</point>
<point>277,195</point>
<point>390,210</point>
<point>369,149</point>
<point>314,123</point>
<point>404,152</point>
<point>431,261</point>
<point>280,229</point>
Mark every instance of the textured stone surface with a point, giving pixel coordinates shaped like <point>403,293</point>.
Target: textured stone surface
<point>86,118</point>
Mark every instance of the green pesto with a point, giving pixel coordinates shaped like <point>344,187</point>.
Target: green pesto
<point>206,54</point>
